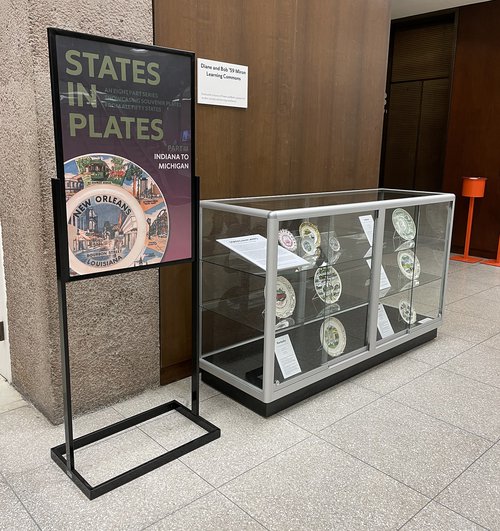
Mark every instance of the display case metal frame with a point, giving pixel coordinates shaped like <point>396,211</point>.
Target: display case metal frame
<point>273,398</point>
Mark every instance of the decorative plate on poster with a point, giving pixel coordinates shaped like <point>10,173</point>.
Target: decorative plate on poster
<point>333,337</point>
<point>327,284</point>
<point>117,215</point>
<point>408,264</point>
<point>285,298</point>
<point>408,314</point>
<point>404,224</point>
<point>308,229</point>
<point>287,240</point>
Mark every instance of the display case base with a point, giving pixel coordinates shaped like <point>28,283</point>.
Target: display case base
<point>268,409</point>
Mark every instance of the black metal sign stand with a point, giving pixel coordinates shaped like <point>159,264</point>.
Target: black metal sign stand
<point>64,454</point>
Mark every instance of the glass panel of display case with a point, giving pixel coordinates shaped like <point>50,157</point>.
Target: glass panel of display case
<point>400,271</point>
<point>218,227</point>
<point>414,260</point>
<point>232,295</point>
<point>331,290</point>
<point>430,258</point>
<point>274,203</point>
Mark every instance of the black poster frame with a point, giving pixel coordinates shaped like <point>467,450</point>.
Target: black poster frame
<point>64,454</point>
<point>58,138</point>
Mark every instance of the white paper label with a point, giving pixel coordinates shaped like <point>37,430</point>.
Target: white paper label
<point>425,320</point>
<point>368,224</point>
<point>383,324</point>
<point>286,357</point>
<point>384,279</point>
<point>223,84</point>
<point>253,248</point>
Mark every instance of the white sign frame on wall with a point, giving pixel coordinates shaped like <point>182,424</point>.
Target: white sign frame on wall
<point>224,84</point>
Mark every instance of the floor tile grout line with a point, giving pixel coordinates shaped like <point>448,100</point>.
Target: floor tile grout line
<point>177,510</point>
<point>415,515</point>
<point>451,357</point>
<point>463,472</point>
<point>431,368</point>
<point>375,468</point>
<point>179,459</point>
<point>321,438</point>
<point>460,475</point>
<point>214,487</point>
<point>14,409</point>
<point>462,515</point>
<point>439,419</point>
<point>6,481</point>
<point>466,315</point>
<point>335,421</point>
<point>469,378</point>
<point>241,509</point>
<point>265,461</point>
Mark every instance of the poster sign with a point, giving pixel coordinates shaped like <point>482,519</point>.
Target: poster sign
<point>124,142</point>
<point>223,84</point>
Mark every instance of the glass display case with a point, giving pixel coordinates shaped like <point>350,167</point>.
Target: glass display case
<point>299,292</point>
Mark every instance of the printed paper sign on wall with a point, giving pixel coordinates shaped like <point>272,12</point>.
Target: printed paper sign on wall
<point>223,84</point>
<point>124,114</point>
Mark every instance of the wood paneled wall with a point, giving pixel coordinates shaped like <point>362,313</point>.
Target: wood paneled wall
<point>317,73</point>
<point>473,146</point>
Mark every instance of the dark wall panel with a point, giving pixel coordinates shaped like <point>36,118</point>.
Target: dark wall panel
<point>473,146</point>
<point>402,134</point>
<point>423,52</point>
<point>432,134</point>
<point>316,91</point>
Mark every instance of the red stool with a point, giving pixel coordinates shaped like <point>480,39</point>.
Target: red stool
<point>472,187</point>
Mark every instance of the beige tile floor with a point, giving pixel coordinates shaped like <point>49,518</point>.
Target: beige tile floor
<point>412,444</point>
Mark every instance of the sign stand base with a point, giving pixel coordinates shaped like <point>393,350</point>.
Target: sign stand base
<point>64,454</point>
<point>58,452</point>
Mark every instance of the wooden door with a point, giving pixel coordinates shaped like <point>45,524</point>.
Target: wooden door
<point>418,101</point>
<point>314,121</point>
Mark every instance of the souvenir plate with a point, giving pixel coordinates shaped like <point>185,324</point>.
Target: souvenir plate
<point>408,264</point>
<point>117,215</point>
<point>408,314</point>
<point>285,298</point>
<point>333,336</point>
<point>284,323</point>
<point>308,245</point>
<point>310,229</point>
<point>287,240</point>
<point>334,243</point>
<point>327,284</point>
<point>404,224</point>
<point>333,258</point>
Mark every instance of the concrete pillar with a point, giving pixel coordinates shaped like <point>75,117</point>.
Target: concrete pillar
<point>113,321</point>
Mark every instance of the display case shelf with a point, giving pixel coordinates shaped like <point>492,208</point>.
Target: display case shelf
<point>373,286</point>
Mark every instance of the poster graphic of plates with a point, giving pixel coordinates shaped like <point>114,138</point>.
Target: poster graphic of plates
<point>333,337</point>
<point>404,224</point>
<point>287,240</point>
<point>408,314</point>
<point>285,298</point>
<point>327,284</point>
<point>308,229</point>
<point>117,215</point>
<point>409,265</point>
